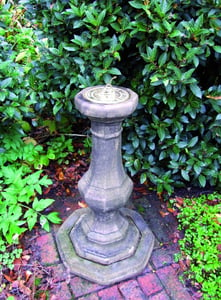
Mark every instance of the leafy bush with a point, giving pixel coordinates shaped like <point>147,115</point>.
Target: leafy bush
<point>21,159</point>
<point>200,218</point>
<point>168,52</point>
<point>17,49</point>
<point>20,186</point>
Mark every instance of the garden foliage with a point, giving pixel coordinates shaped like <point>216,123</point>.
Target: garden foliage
<point>21,158</point>
<point>169,52</point>
<point>201,246</point>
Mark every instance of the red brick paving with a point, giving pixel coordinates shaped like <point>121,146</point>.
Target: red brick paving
<point>111,293</point>
<point>90,297</point>
<point>60,273</point>
<point>150,284</point>
<point>61,292</point>
<point>82,287</point>
<point>159,296</point>
<point>173,286</point>
<point>131,290</point>
<point>47,249</point>
<point>159,280</point>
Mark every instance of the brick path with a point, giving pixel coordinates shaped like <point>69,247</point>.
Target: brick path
<point>159,280</point>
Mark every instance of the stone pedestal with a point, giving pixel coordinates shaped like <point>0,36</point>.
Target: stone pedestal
<point>105,242</point>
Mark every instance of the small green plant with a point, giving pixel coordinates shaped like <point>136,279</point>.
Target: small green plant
<point>59,148</point>
<point>87,144</point>
<point>201,218</point>
<point>20,186</point>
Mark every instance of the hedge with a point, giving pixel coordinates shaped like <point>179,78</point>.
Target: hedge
<point>167,51</point>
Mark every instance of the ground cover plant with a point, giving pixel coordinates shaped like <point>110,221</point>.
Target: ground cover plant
<point>200,218</point>
<point>167,51</point>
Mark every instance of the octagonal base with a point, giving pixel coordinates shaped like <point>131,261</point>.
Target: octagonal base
<point>113,272</point>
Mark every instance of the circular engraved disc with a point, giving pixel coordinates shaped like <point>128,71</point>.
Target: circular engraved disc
<point>107,94</point>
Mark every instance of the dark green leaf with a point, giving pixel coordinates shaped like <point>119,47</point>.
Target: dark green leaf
<point>217,48</point>
<point>143,178</point>
<point>5,83</point>
<point>193,141</point>
<point>202,180</point>
<point>196,90</point>
<point>185,175</point>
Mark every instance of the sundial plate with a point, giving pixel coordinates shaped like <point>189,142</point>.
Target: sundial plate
<point>107,94</point>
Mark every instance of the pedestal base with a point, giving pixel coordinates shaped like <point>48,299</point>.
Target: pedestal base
<point>106,274</point>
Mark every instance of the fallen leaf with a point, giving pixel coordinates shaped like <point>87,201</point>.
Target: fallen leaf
<point>9,278</point>
<point>17,264</point>
<point>82,204</point>
<point>182,265</point>
<point>171,210</point>
<point>179,200</point>
<point>46,190</point>
<point>26,257</point>
<point>188,262</point>
<point>23,288</point>
<point>30,140</point>
<point>28,275</point>
<point>163,214</point>
<point>178,205</point>
<point>68,191</point>
<point>61,175</point>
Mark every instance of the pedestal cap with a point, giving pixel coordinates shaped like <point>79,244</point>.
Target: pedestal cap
<point>106,102</point>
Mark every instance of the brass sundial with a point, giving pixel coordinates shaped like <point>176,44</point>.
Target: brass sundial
<point>106,94</point>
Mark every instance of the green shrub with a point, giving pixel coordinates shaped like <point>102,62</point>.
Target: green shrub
<point>200,218</point>
<point>167,51</point>
<point>21,158</point>
<point>17,49</point>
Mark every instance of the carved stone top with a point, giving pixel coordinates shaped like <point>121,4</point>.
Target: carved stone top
<point>106,94</point>
<point>106,102</point>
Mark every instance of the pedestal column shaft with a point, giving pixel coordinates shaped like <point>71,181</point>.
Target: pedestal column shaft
<point>105,186</point>
<point>106,161</point>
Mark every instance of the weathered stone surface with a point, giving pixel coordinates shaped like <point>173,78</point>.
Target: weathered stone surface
<point>82,287</point>
<point>105,243</point>
<point>114,272</point>
<point>106,111</point>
